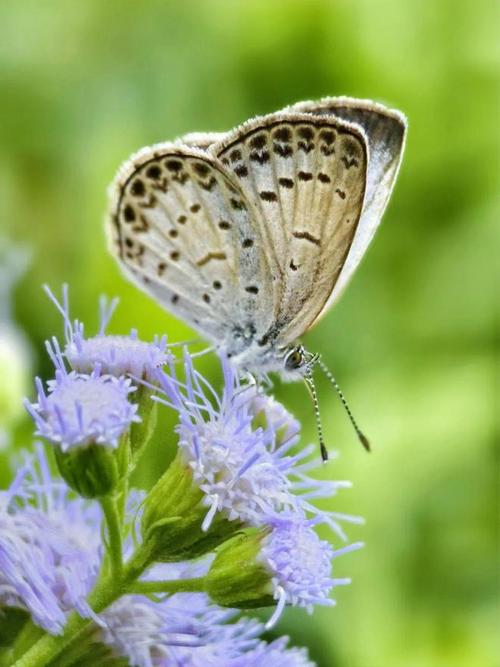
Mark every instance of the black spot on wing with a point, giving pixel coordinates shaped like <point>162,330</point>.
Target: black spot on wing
<point>259,141</point>
<point>129,213</point>
<point>174,165</point>
<point>261,158</point>
<point>153,172</point>
<point>267,195</point>
<point>307,237</point>
<point>283,134</point>
<point>138,188</point>
<point>349,162</point>
<point>306,133</point>
<point>201,168</point>
<point>237,204</point>
<point>328,136</point>
<point>241,171</point>
<point>283,151</point>
<point>208,185</point>
<point>211,256</point>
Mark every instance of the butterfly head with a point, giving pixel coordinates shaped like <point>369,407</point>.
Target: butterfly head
<point>298,362</point>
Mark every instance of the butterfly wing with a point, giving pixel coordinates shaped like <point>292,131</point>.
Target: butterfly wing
<point>201,140</point>
<point>183,232</point>
<point>385,131</point>
<point>304,178</point>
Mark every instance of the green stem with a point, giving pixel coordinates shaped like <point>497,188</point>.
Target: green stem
<point>194,585</point>
<point>114,545</point>
<point>49,646</point>
<point>29,634</point>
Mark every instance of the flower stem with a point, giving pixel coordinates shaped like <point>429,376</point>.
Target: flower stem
<point>114,544</point>
<point>50,646</point>
<point>194,585</point>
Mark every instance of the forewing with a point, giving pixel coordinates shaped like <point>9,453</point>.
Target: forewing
<point>182,230</point>
<point>304,178</point>
<point>385,130</point>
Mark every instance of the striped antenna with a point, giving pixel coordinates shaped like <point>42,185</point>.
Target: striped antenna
<point>308,379</point>
<point>362,438</point>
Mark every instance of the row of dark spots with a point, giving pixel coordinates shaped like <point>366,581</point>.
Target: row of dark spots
<point>130,215</point>
<point>251,289</point>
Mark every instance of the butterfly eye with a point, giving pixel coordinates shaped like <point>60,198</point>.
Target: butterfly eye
<point>294,359</point>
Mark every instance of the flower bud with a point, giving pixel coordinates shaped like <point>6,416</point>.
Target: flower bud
<point>91,471</point>
<point>174,524</point>
<point>283,563</point>
<point>237,577</point>
<point>142,431</point>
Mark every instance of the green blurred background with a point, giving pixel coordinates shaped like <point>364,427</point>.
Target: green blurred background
<point>83,84</point>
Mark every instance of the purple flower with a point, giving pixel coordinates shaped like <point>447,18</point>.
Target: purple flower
<point>50,555</point>
<point>115,355</point>
<point>300,564</point>
<point>245,469</point>
<point>83,409</point>
<point>49,548</point>
<point>181,629</point>
<point>275,654</point>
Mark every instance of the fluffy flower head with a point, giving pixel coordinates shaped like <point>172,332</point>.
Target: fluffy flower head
<point>300,563</point>
<point>49,548</point>
<point>238,447</point>
<point>79,410</point>
<point>114,355</point>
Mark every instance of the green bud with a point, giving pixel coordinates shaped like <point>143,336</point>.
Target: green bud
<point>173,515</point>
<point>93,470</point>
<point>142,431</point>
<point>237,578</point>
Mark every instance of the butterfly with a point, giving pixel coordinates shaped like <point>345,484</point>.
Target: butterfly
<point>251,235</point>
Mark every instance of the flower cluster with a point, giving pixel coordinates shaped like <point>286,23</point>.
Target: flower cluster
<point>50,553</point>
<point>238,448</point>
<point>159,578</point>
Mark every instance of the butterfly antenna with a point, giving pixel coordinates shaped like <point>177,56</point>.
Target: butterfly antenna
<point>362,437</point>
<point>311,388</point>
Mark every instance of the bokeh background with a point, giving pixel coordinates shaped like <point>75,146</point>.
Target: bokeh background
<point>83,84</point>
